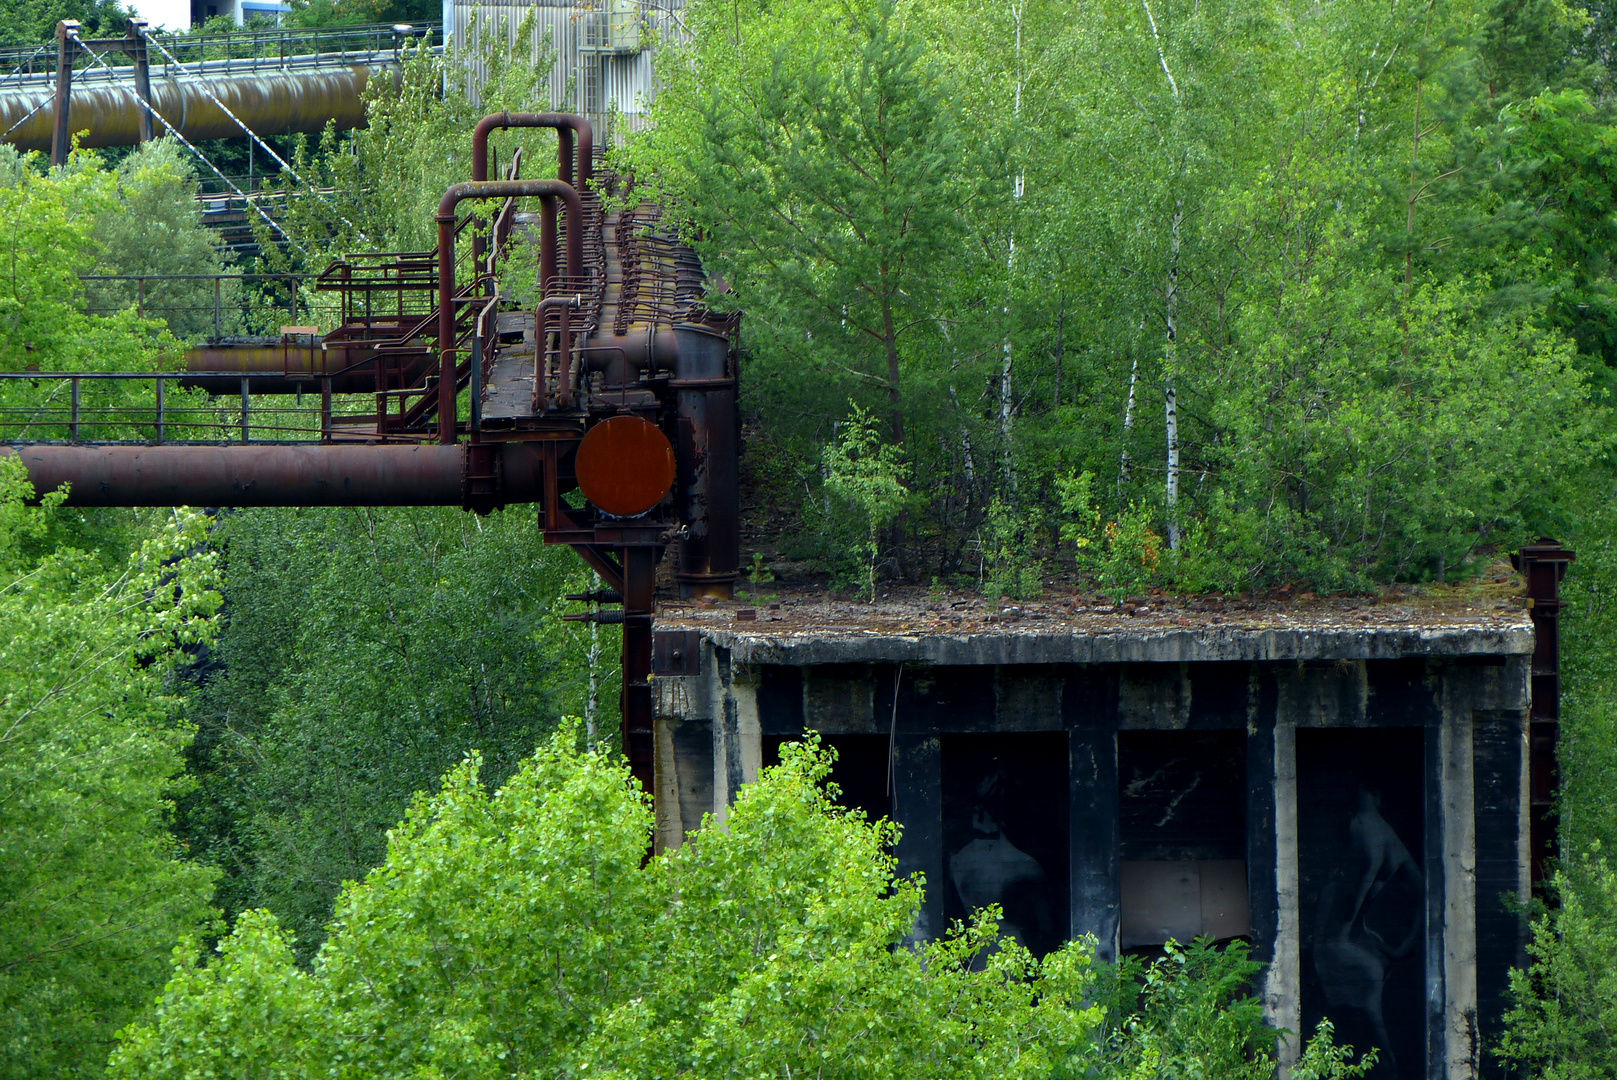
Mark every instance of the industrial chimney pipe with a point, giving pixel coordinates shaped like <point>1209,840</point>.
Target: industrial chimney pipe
<point>549,191</point>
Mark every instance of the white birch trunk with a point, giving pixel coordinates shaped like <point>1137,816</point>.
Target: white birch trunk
<point>1171,404</point>
<point>1006,398</point>
<point>1123,463</point>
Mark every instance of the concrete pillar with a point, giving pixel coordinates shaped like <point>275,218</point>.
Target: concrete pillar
<point>1462,1046</point>
<point>1090,711</point>
<point>1283,981</point>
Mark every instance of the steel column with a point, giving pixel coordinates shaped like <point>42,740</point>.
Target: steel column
<point>638,712</point>
<point>136,48</point>
<point>67,50</point>
<point>1544,564</point>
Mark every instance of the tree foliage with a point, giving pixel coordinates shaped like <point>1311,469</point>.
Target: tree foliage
<point>1278,271</point>
<point>93,889</point>
<point>364,652</point>
<point>525,933</point>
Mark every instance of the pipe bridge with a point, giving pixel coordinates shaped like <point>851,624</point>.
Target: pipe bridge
<point>608,400</point>
<point>277,82</point>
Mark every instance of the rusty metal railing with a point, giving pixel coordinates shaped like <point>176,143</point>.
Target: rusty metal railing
<point>153,408</point>
<point>213,306</point>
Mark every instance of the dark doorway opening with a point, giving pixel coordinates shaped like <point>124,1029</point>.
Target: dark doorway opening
<point>1360,834</point>
<point>1005,813</point>
<point>859,772</point>
<point>1182,826</point>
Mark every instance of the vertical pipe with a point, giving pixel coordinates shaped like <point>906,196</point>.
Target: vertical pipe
<point>74,425</point>
<point>446,327</point>
<point>67,49</point>
<point>325,410</point>
<point>143,76</point>
<point>244,422</point>
<point>639,588</point>
<point>1544,564</point>
<point>160,404</point>
<point>710,493</point>
<point>477,376</point>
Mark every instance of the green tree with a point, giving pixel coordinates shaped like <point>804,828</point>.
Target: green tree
<point>33,22</point>
<point>818,152</point>
<point>868,476</point>
<point>94,892</point>
<point>364,652</point>
<point>155,228</point>
<point>1559,1024</point>
<point>526,933</point>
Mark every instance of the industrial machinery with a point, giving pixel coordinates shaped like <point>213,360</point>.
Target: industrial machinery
<point>610,403</point>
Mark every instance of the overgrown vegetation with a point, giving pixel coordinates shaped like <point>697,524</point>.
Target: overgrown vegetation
<point>1142,295</point>
<point>93,891</point>
<point>1274,278</point>
<point>525,933</point>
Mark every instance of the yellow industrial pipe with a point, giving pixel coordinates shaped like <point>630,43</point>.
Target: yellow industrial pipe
<point>271,103</point>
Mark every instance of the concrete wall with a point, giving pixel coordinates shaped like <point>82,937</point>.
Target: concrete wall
<point>1463,716</point>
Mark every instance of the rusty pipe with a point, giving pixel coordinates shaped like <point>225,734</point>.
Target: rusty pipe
<point>305,474</point>
<point>709,484</point>
<point>269,102</point>
<point>564,123</point>
<point>548,190</point>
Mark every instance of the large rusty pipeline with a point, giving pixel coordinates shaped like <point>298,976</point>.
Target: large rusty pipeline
<point>709,480</point>
<point>547,190</point>
<point>278,475</point>
<point>271,103</point>
<point>564,123</point>
<point>274,366</point>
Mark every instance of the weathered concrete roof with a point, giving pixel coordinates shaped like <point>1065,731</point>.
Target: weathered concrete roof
<point>805,628</point>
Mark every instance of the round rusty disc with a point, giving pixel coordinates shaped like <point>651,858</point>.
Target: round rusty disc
<point>625,466</point>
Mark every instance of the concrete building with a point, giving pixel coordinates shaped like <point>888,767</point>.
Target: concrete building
<point>1343,783</point>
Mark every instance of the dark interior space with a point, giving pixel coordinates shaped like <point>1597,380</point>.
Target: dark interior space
<point>1005,814</point>
<point>1360,824</point>
<point>1182,826</point>
<point>859,772</point>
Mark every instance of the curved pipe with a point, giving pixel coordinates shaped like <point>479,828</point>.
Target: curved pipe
<point>564,123</point>
<point>549,191</point>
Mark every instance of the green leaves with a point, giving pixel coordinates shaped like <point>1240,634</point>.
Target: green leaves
<point>367,651</point>
<point>93,892</point>
<point>1559,1024</point>
<point>819,154</point>
<point>869,476</point>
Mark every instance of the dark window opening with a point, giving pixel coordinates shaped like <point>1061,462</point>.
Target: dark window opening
<point>1182,819</point>
<point>1005,815</point>
<point>859,772</point>
<point>1360,837</point>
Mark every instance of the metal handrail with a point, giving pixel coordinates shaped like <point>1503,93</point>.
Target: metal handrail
<point>248,51</point>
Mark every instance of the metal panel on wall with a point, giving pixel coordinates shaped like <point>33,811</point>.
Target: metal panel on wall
<point>598,67</point>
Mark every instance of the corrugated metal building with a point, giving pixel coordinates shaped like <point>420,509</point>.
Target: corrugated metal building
<point>602,48</point>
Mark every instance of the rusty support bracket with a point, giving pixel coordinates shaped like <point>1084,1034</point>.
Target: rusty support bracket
<point>1544,565</point>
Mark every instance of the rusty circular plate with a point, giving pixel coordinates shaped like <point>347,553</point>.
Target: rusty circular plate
<point>625,466</point>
